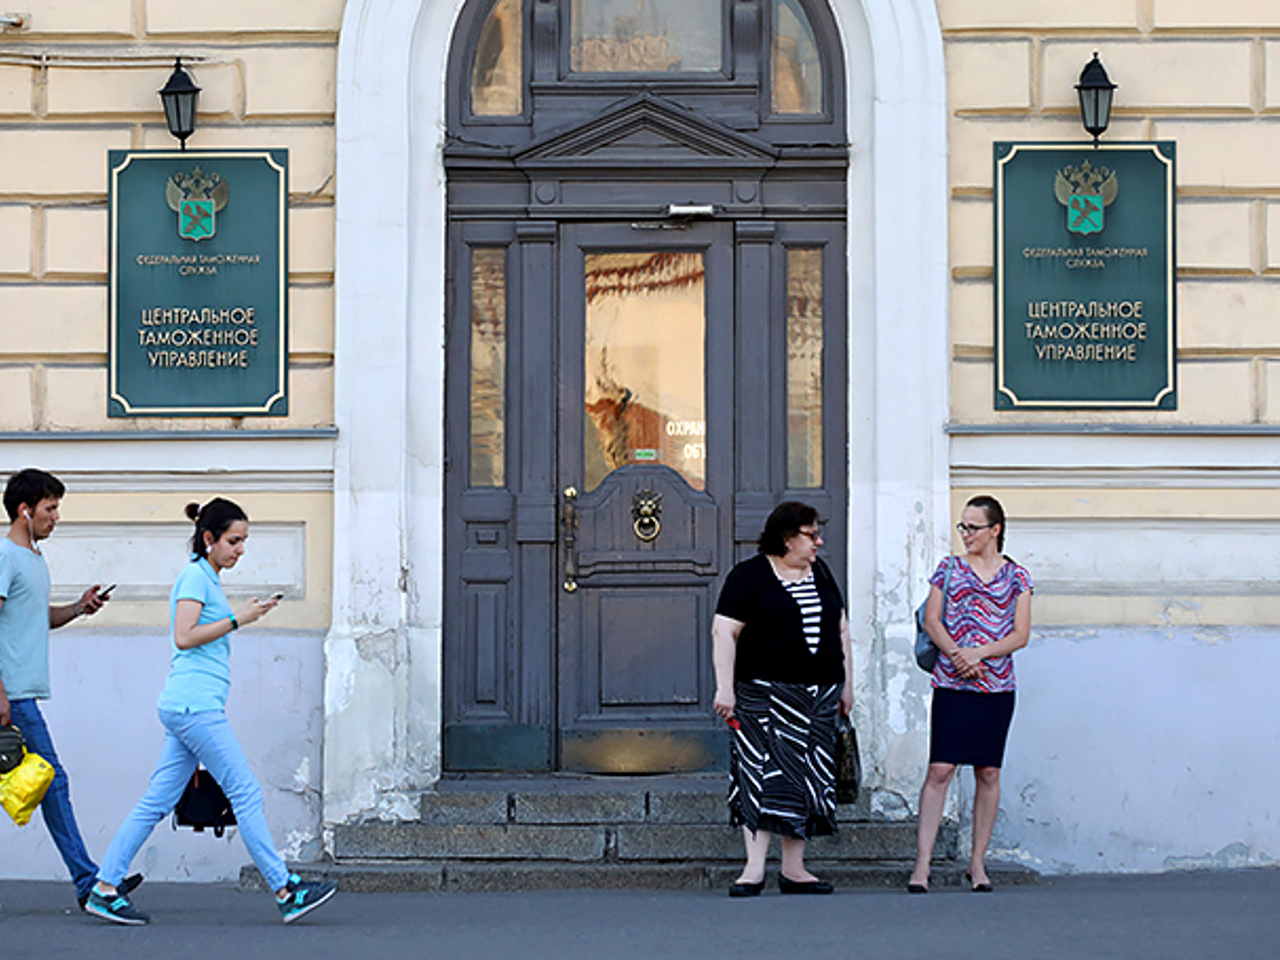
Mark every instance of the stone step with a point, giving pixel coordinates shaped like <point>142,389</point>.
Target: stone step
<point>565,799</point>
<point>616,841</point>
<point>586,819</point>
<point>419,876</point>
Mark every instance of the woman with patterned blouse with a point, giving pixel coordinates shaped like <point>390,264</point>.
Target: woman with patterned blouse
<point>977,626</point>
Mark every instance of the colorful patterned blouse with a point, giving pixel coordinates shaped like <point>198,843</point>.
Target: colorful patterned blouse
<point>978,613</point>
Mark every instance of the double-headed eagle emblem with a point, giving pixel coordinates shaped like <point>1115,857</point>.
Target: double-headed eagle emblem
<point>196,198</point>
<point>1086,191</point>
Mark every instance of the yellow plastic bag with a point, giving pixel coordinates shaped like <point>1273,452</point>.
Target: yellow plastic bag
<point>23,787</point>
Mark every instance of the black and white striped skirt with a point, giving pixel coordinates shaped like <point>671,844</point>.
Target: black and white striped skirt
<point>782,766</point>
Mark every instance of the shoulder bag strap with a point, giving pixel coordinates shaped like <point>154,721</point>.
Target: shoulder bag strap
<point>946,587</point>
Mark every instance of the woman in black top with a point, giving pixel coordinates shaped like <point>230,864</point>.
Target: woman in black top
<point>783,664</point>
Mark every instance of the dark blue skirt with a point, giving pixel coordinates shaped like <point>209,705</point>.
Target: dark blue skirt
<point>969,728</point>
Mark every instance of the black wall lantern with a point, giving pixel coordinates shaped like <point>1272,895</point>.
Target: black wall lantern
<point>1095,89</point>
<point>179,98</point>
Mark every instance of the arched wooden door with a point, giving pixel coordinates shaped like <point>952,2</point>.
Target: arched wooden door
<point>645,353</point>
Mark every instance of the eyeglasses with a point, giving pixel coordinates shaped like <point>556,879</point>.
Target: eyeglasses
<point>971,528</point>
<point>814,535</point>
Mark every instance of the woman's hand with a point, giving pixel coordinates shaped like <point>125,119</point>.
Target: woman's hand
<point>724,649</point>
<point>968,662</point>
<point>724,703</point>
<point>254,609</point>
<point>846,699</point>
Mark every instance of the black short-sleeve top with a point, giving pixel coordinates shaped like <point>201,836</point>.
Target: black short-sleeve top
<point>771,644</point>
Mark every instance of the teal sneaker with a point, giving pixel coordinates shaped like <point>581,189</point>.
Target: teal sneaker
<point>115,908</point>
<point>127,886</point>
<point>304,897</point>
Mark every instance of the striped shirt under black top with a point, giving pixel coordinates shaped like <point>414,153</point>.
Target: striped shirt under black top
<point>805,593</point>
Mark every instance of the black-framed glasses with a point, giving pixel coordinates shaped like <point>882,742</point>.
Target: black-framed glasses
<point>971,528</point>
<point>814,535</point>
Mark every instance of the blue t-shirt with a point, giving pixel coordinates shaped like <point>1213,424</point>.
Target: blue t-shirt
<point>24,622</point>
<point>199,678</point>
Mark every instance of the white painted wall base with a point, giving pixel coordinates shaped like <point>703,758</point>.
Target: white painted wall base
<point>103,720</point>
<point>1137,750</point>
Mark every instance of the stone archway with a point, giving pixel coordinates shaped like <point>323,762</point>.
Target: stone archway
<point>382,732</point>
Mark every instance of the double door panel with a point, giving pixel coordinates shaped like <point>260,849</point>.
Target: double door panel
<point>600,375</point>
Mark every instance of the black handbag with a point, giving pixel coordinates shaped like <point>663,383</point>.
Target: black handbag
<point>848,761</point>
<point>203,804</point>
<point>12,748</point>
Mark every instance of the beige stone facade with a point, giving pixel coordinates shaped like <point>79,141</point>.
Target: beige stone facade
<point>1135,524</point>
<point>80,78</point>
<point>1205,77</point>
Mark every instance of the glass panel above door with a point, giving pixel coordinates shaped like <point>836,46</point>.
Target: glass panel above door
<point>645,36</point>
<point>645,376</point>
<point>804,367</point>
<point>488,366</point>
<point>796,76</point>
<point>497,72</point>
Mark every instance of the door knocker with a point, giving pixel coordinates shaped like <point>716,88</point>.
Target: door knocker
<point>646,509</point>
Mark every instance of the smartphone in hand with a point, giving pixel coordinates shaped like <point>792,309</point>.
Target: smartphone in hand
<point>105,594</point>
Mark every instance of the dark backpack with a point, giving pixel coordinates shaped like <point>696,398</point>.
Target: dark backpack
<point>203,804</point>
<point>12,748</point>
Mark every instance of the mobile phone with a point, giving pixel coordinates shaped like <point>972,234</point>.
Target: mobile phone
<point>103,594</point>
<point>277,597</point>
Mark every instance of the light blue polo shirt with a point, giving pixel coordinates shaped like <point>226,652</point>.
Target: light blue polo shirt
<point>24,622</point>
<point>199,678</point>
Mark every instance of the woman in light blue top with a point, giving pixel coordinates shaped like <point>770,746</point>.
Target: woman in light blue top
<point>192,710</point>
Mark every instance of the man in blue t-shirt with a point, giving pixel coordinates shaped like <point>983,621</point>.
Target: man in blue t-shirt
<point>31,499</point>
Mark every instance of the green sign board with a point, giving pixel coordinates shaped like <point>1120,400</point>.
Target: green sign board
<point>1085,274</point>
<point>199,283</point>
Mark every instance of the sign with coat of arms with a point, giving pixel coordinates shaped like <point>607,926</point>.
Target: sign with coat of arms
<point>1085,276</point>
<point>196,198</point>
<point>198,270</point>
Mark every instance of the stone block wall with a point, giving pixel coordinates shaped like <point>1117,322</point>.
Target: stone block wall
<point>80,77</point>
<point>1207,76</point>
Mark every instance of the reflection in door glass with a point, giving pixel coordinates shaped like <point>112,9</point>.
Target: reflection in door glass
<point>645,392</point>
<point>645,36</point>
<point>488,366</point>
<point>804,368</point>
<point>497,75</point>
<point>796,78</point>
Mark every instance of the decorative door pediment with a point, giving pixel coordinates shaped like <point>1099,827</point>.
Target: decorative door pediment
<point>647,132</point>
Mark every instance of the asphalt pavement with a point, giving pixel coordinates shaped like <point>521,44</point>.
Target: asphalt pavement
<point>1232,915</point>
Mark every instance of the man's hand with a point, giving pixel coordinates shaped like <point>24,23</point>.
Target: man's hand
<point>90,601</point>
<point>5,717</point>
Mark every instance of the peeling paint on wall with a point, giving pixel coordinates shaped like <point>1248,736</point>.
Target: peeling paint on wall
<point>383,646</point>
<point>1234,856</point>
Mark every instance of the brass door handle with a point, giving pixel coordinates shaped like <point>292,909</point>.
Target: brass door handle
<point>569,522</point>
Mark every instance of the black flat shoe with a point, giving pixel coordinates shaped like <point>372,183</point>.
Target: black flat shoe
<point>979,887</point>
<point>803,886</point>
<point>746,889</point>
<point>917,888</point>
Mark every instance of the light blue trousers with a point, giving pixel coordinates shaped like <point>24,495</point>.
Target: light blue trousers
<point>191,739</point>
